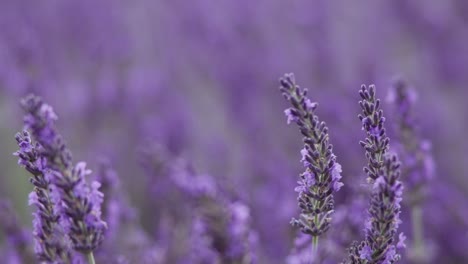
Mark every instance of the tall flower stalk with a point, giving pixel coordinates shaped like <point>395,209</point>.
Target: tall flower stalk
<point>50,243</point>
<point>77,202</point>
<point>320,180</point>
<point>383,171</point>
<point>418,165</point>
<point>377,142</point>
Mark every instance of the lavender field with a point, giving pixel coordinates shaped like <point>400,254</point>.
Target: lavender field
<point>234,132</point>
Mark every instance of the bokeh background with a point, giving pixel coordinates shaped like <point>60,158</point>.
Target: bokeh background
<point>200,78</point>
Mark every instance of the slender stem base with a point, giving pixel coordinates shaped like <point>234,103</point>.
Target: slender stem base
<point>315,240</point>
<point>314,258</point>
<point>417,226</point>
<point>90,257</point>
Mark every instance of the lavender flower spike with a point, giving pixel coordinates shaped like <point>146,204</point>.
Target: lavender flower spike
<point>383,220</point>
<point>383,173</point>
<point>377,143</point>
<point>50,245</point>
<point>418,167</point>
<point>78,203</point>
<point>321,177</point>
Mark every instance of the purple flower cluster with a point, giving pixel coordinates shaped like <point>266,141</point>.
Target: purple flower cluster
<point>221,229</point>
<point>80,204</point>
<point>144,83</point>
<point>321,177</point>
<point>50,243</point>
<point>384,218</point>
<point>73,217</point>
<point>383,173</point>
<point>61,193</point>
<point>376,143</point>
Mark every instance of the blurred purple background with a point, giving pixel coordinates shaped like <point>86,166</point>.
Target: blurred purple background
<point>200,78</point>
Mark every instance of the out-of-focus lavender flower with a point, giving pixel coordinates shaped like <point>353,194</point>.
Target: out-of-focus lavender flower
<point>40,121</point>
<point>50,242</point>
<point>322,175</point>
<point>301,253</point>
<point>418,165</point>
<point>133,245</point>
<point>383,174</point>
<point>126,241</point>
<point>18,237</point>
<point>167,224</point>
<point>155,161</point>
<point>115,208</point>
<point>77,202</point>
<point>448,230</point>
<point>202,250</point>
<point>222,223</point>
<point>376,143</point>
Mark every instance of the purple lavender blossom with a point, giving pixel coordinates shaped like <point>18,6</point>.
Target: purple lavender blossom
<point>222,223</point>
<point>383,220</point>
<point>386,194</point>
<point>80,206</point>
<point>347,225</point>
<point>40,121</point>
<point>376,143</point>
<point>50,243</point>
<point>384,215</point>
<point>321,178</point>
<point>77,202</point>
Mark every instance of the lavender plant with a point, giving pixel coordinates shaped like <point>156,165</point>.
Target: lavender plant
<point>50,243</point>
<point>383,220</point>
<point>126,240</point>
<point>418,164</point>
<point>77,203</point>
<point>221,228</point>
<point>171,223</point>
<point>115,209</point>
<point>376,143</point>
<point>192,74</point>
<point>383,173</point>
<point>347,225</point>
<point>321,178</point>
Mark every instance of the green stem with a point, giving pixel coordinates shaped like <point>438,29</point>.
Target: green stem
<point>417,225</point>
<point>315,240</point>
<point>90,257</point>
